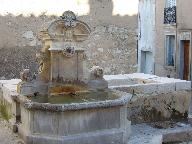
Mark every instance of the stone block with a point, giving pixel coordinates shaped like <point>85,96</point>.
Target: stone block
<point>45,122</point>
<point>7,94</point>
<point>139,89</point>
<point>178,136</point>
<point>75,122</point>
<point>148,88</point>
<point>159,107</point>
<point>183,85</point>
<point>166,87</point>
<point>158,139</point>
<point>120,82</point>
<point>111,136</point>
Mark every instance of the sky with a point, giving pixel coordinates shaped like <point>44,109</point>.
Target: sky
<point>57,7</point>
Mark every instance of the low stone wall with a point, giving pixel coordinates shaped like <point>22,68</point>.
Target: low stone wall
<point>8,89</point>
<point>154,98</point>
<point>5,107</point>
<point>159,107</point>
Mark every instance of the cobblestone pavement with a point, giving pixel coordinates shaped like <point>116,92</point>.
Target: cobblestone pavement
<point>6,134</point>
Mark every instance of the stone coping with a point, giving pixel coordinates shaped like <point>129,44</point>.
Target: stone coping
<point>154,78</point>
<point>28,104</point>
<point>154,84</point>
<point>146,80</point>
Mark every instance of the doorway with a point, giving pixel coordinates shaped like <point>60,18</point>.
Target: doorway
<point>146,62</point>
<point>184,59</point>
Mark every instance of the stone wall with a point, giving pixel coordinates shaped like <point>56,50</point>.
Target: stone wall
<point>112,48</point>
<point>112,44</point>
<point>18,43</point>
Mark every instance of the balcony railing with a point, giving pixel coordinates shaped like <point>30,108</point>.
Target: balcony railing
<point>170,15</point>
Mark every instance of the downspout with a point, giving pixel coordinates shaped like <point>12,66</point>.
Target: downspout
<point>177,63</point>
<point>154,51</point>
<point>138,38</point>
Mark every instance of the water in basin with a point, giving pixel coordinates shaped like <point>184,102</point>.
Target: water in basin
<point>88,96</point>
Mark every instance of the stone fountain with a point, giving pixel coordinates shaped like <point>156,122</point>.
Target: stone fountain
<point>66,102</point>
<point>62,61</point>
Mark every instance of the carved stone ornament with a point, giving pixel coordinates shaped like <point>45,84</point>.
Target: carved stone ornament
<point>69,50</point>
<point>25,75</point>
<point>69,19</point>
<point>41,58</point>
<point>96,72</point>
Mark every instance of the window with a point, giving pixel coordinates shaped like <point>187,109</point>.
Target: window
<point>170,12</point>
<point>170,47</point>
<point>170,3</point>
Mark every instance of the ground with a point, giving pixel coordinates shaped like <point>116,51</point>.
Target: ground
<point>155,133</point>
<point>6,134</point>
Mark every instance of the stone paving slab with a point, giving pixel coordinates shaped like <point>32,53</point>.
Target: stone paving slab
<point>146,134</point>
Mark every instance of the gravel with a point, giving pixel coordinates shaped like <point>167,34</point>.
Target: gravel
<point>6,134</point>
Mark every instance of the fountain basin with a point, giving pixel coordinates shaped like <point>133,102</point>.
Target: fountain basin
<point>75,97</point>
<point>80,123</point>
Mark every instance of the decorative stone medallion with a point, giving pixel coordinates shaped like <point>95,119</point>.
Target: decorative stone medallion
<point>68,50</point>
<point>69,19</point>
<point>185,35</point>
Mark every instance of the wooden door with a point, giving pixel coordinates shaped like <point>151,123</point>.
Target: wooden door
<point>186,60</point>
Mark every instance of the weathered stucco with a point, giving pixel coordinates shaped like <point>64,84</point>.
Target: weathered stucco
<point>146,37</point>
<point>158,35</point>
<point>161,31</point>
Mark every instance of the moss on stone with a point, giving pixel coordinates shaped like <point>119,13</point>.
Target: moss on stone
<point>4,112</point>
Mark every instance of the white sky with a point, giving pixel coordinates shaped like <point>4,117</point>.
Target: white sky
<point>80,7</point>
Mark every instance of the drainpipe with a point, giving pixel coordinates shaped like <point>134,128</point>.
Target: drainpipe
<point>137,51</point>
<point>77,66</point>
<point>177,63</point>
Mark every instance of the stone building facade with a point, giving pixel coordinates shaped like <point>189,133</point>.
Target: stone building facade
<point>112,44</point>
<point>165,38</point>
